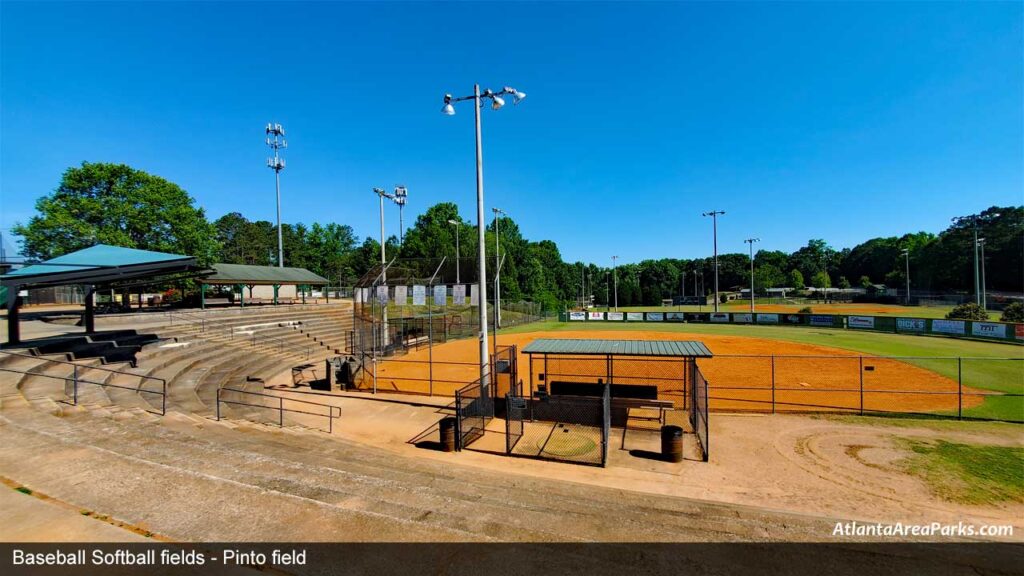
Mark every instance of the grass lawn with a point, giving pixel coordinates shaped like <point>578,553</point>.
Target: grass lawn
<point>820,308</point>
<point>984,366</point>
<point>968,473</point>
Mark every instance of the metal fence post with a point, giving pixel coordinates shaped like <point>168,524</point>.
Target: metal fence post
<point>76,385</point>
<point>959,388</point>
<point>280,411</point>
<point>773,383</point>
<point>861,368</point>
<point>163,400</point>
<point>218,404</point>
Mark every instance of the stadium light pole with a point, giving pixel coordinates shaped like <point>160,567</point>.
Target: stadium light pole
<point>906,257</point>
<point>974,224</point>
<point>458,278</point>
<point>383,262</point>
<point>682,289</point>
<point>714,218</point>
<point>399,197</point>
<point>615,279</point>
<point>496,103</point>
<point>984,290</point>
<point>751,242</point>
<point>276,141</point>
<point>497,276</point>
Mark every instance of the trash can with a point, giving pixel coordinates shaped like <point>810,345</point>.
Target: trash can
<point>672,443</point>
<point>448,434</point>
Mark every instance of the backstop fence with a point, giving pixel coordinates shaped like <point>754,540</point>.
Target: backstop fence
<point>474,410</point>
<point>699,411</point>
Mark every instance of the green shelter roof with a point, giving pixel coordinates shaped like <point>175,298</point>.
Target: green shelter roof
<point>265,275</point>
<point>98,256</point>
<point>678,348</point>
<point>100,265</point>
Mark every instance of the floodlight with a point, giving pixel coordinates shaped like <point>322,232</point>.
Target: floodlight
<point>497,102</point>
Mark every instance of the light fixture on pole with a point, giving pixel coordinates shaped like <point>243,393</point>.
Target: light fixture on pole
<point>401,193</point>
<point>906,255</point>
<point>615,279</point>
<point>384,279</point>
<point>973,219</point>
<point>456,223</point>
<point>449,110</point>
<point>276,141</point>
<point>714,217</point>
<point>751,242</point>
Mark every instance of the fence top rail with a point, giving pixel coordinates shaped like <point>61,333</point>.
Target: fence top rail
<point>867,356</point>
<point>83,366</point>
<point>283,398</point>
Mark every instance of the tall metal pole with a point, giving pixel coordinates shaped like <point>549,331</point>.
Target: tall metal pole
<point>458,278</point>
<point>714,218</point>
<point>751,242</point>
<point>682,289</point>
<point>906,256</point>
<point>615,279</point>
<point>485,360</point>
<point>977,282</point>
<point>497,277</point>
<point>275,139</point>
<point>984,288</point>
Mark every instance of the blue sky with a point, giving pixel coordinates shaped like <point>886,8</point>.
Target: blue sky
<point>800,120</point>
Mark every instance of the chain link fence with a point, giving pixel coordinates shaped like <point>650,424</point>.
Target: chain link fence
<point>573,429</point>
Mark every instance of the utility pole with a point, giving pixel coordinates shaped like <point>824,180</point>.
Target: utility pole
<point>714,217</point>
<point>906,256</point>
<point>615,279</point>
<point>276,141</point>
<point>984,289</point>
<point>751,242</point>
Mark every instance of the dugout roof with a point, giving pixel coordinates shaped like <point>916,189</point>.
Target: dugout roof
<point>261,275</point>
<point>589,347</point>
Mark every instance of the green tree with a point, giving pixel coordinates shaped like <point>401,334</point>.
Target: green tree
<point>796,279</point>
<point>1013,312</point>
<point>969,311</point>
<point>865,282</point>
<point>821,279</point>
<point>844,283</point>
<point>98,203</point>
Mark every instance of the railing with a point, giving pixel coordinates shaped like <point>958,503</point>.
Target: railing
<point>331,415</point>
<point>188,318</point>
<point>281,344</point>
<point>76,380</point>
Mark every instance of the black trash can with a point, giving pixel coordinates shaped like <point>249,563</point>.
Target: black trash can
<point>672,443</point>
<point>447,427</point>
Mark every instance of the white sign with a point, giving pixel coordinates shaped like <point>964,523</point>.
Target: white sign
<point>988,329</point>
<point>459,294</point>
<point>743,318</point>
<point>655,316</point>
<point>948,326</point>
<point>615,316</point>
<point>719,316</point>
<point>419,295</point>
<point>767,318</point>
<point>635,316</point>
<point>861,322</point>
<point>401,295</point>
<point>596,316</point>
<point>359,295</point>
<point>577,316</point>
<point>910,324</point>
<point>382,294</point>
<point>474,296</point>
<point>441,295</point>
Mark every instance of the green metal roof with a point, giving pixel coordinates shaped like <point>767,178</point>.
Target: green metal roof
<point>618,347</point>
<point>94,257</point>
<point>247,274</point>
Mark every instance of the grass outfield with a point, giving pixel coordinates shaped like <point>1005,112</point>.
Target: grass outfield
<point>984,366</point>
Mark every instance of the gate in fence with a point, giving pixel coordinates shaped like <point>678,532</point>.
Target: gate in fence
<point>474,410</point>
<point>572,429</point>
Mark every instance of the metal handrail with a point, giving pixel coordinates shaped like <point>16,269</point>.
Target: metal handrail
<point>74,378</point>
<point>202,319</point>
<point>330,415</point>
<point>283,344</point>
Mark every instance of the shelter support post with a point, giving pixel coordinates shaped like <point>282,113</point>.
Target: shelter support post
<point>202,296</point>
<point>90,310</point>
<point>276,288</point>
<point>241,294</point>
<point>13,324</point>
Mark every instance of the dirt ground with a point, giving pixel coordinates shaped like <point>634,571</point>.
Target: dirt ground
<point>806,377</point>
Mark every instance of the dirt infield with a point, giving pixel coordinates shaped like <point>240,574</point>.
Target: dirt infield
<point>806,377</point>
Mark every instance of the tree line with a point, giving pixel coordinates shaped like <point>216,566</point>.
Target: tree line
<point>116,204</point>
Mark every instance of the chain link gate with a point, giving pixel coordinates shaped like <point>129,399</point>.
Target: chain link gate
<point>474,410</point>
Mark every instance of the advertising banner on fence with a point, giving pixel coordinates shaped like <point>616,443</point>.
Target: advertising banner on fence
<point>1019,329</point>
<point>440,295</point>
<point>577,316</point>
<point>635,316</point>
<point>459,295</point>
<point>719,317</point>
<point>911,324</point>
<point>743,318</point>
<point>596,316</point>
<point>358,295</point>
<point>382,294</point>
<point>767,318</point>
<point>948,326</point>
<point>861,322</point>
<point>419,295</point>
<point>401,295</point>
<point>988,329</point>
<point>817,320</point>
<point>655,316</point>
<point>615,316</point>
<point>696,317</point>
<point>792,319</point>
<point>474,296</point>
<point>675,317</point>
